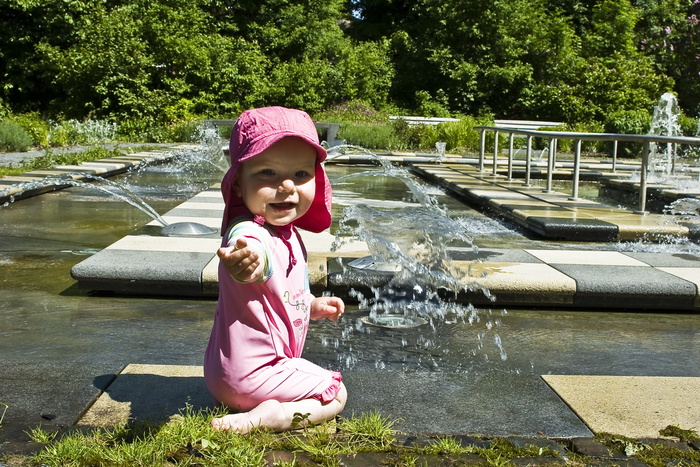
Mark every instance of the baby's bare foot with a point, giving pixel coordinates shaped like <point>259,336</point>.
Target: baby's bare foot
<point>239,422</point>
<point>269,414</point>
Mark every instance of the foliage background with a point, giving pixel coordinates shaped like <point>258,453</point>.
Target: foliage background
<point>159,63</point>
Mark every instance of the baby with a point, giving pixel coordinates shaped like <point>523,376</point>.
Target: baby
<point>253,362</point>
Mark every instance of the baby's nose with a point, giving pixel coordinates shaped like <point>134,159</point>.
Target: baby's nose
<point>286,185</point>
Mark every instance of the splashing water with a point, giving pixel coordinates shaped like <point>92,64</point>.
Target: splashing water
<point>410,279</point>
<point>208,152</point>
<point>113,189</point>
<point>684,207</point>
<point>664,123</point>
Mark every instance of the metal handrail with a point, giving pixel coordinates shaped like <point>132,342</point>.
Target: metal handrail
<point>553,136</point>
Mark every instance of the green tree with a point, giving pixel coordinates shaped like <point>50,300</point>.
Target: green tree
<point>669,33</point>
<point>160,60</point>
<point>612,29</point>
<point>25,78</point>
<point>482,56</point>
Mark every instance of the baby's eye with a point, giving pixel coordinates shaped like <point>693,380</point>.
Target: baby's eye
<point>268,172</point>
<point>301,174</point>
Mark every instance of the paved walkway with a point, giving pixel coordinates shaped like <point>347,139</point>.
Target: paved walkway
<point>552,215</point>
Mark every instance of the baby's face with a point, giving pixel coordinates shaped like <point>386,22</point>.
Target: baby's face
<point>279,183</point>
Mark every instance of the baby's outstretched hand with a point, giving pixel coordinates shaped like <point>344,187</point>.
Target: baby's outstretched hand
<point>327,307</point>
<point>241,262</point>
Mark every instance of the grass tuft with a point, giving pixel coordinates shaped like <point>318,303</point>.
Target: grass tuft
<point>188,439</point>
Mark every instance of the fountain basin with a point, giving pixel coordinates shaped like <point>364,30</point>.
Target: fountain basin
<point>393,321</point>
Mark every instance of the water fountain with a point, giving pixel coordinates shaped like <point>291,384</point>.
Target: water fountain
<point>440,147</point>
<point>62,346</point>
<point>409,281</point>
<point>207,152</point>
<point>664,123</point>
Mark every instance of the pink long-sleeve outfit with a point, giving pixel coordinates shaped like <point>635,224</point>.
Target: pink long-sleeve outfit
<point>254,351</point>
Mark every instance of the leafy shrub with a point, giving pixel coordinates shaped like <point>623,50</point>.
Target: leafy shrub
<point>410,135</point>
<point>4,110</point>
<point>567,145</point>
<point>14,138</point>
<point>368,136</point>
<point>133,130</point>
<point>427,106</point>
<point>460,134</point>
<point>74,132</point>
<point>185,132</point>
<point>147,131</point>
<point>356,112</point>
<point>37,128</point>
<point>635,122</point>
<point>689,126</point>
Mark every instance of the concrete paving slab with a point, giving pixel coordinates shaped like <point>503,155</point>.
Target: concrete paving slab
<point>631,287</point>
<point>518,283</point>
<point>536,210</point>
<point>500,195</point>
<point>108,164</point>
<point>322,243</point>
<point>12,179</point>
<point>498,403</point>
<point>675,260</point>
<point>584,230</point>
<point>633,406</point>
<point>602,258</point>
<point>79,168</point>
<point>631,230</point>
<point>691,275</point>
<point>492,255</point>
<point>143,392</point>
<point>526,406</point>
<point>194,212</point>
<point>177,273</point>
<point>172,244</point>
<point>569,214</point>
<point>210,278</point>
<point>206,204</point>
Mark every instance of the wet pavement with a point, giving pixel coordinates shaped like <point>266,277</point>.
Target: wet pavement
<point>67,353</point>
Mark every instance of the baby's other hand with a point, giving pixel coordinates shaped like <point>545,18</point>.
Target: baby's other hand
<point>327,307</point>
<point>241,262</point>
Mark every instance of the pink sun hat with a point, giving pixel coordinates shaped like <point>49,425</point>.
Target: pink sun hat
<point>255,131</point>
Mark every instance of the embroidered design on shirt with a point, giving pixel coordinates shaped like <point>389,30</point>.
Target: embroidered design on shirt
<point>299,305</point>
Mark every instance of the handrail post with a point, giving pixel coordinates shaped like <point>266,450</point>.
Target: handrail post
<point>643,179</point>
<point>482,149</point>
<point>528,158</point>
<point>550,164</point>
<point>577,169</point>
<point>495,153</point>
<point>510,156</point>
<point>614,156</point>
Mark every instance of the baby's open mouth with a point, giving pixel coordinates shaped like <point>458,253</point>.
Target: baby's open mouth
<point>283,205</point>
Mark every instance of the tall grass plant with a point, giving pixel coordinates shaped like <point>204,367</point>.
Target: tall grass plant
<point>14,138</point>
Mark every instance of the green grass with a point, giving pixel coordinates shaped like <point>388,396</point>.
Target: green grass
<point>189,440</point>
<point>656,454</point>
